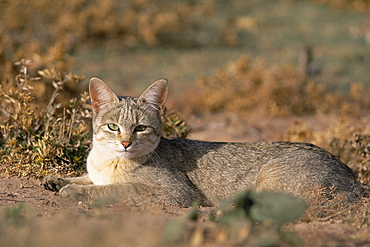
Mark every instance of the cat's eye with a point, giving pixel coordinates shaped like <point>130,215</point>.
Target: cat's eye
<point>113,127</point>
<point>140,128</point>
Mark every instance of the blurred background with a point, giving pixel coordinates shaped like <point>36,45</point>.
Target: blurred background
<point>254,59</point>
<point>132,43</point>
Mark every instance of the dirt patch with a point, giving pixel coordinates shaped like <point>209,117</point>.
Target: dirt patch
<point>331,234</point>
<point>15,190</point>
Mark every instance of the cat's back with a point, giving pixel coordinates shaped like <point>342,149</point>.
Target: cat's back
<point>220,168</point>
<point>245,155</point>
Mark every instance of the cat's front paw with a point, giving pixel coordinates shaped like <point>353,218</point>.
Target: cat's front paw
<point>54,183</point>
<point>74,192</point>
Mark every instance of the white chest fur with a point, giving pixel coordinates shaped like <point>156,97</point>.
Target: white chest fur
<point>103,170</point>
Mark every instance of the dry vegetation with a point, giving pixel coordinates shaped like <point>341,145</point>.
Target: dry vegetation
<point>281,90</point>
<point>45,125</point>
<point>123,23</point>
<point>358,5</point>
<point>41,132</point>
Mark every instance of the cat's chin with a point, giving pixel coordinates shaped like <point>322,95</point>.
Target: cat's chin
<point>127,155</point>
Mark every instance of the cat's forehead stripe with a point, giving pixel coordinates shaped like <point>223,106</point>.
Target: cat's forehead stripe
<point>126,110</point>
<point>127,98</point>
<point>125,113</point>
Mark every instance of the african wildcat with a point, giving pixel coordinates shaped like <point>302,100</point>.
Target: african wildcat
<point>130,160</point>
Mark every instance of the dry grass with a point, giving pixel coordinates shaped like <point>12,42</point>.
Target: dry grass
<point>245,87</point>
<point>362,6</point>
<point>38,138</point>
<point>124,24</point>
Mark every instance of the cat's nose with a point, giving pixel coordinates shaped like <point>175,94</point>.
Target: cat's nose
<point>126,144</point>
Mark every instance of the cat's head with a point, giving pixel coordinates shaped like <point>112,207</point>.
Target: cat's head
<point>127,127</point>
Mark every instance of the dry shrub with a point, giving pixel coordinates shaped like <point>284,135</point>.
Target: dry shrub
<point>38,23</point>
<point>337,210</point>
<point>42,131</point>
<point>37,138</point>
<point>173,126</point>
<point>327,206</point>
<point>246,86</point>
<point>51,65</point>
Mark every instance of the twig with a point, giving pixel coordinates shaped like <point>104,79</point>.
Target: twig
<point>9,199</point>
<point>333,215</point>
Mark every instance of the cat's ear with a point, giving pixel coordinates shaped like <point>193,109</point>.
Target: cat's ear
<point>100,94</point>
<point>156,95</point>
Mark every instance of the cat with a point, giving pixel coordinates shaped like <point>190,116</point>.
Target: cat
<point>130,161</point>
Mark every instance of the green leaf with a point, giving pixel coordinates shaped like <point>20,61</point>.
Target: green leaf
<point>276,207</point>
<point>173,230</point>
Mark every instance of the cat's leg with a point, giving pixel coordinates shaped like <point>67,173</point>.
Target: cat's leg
<point>54,183</point>
<point>105,192</point>
<point>132,194</point>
